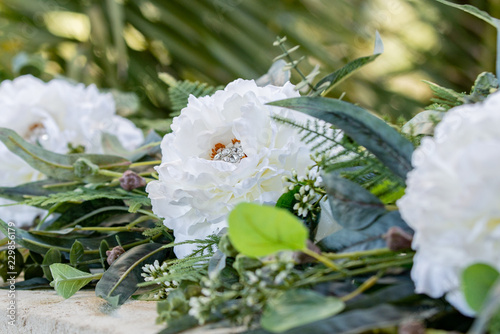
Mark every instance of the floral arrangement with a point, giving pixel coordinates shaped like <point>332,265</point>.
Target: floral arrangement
<point>267,205</point>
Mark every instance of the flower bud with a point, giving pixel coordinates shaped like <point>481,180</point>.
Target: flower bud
<point>397,239</point>
<point>114,254</point>
<point>131,180</point>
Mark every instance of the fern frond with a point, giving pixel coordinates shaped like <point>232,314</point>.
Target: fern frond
<point>180,92</point>
<point>336,152</point>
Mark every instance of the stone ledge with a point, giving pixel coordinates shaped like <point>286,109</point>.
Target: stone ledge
<point>44,312</point>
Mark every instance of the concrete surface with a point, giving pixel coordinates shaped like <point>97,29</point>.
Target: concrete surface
<point>44,312</point>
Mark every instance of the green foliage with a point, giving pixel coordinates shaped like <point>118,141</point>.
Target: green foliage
<point>477,281</point>
<point>298,307</point>
<point>179,92</point>
<point>52,256</point>
<point>120,281</point>
<point>68,280</point>
<point>60,166</point>
<point>257,230</point>
<point>331,80</point>
<point>353,207</point>
<point>87,194</point>
<point>369,131</point>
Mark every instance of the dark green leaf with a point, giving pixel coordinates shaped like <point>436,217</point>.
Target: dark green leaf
<point>52,256</point>
<point>103,247</point>
<point>256,230</point>
<point>353,207</point>
<point>38,188</point>
<point>60,166</point>
<point>298,307</point>
<point>33,283</point>
<point>68,280</point>
<point>378,137</point>
<point>120,281</point>
<point>368,238</point>
<point>477,281</point>
<point>11,261</point>
<point>33,271</point>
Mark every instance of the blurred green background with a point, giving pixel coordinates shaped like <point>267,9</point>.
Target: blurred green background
<point>123,44</point>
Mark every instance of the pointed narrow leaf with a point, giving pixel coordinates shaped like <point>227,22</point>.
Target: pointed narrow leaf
<point>353,207</point>
<point>120,281</point>
<point>258,230</point>
<point>68,280</point>
<point>473,11</point>
<point>59,166</point>
<point>331,80</point>
<point>378,137</point>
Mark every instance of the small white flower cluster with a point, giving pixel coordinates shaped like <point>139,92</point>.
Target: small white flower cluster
<point>154,271</point>
<point>310,192</point>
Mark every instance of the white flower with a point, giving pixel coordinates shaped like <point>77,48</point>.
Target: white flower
<point>54,115</point>
<point>196,190</point>
<point>452,200</point>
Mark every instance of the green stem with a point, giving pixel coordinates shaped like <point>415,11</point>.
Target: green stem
<point>360,271</point>
<point>112,174</point>
<point>355,255</point>
<point>321,259</point>
<point>145,163</point>
<point>363,287</point>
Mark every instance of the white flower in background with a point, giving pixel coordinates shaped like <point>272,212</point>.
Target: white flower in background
<point>225,149</point>
<point>452,200</point>
<point>54,115</point>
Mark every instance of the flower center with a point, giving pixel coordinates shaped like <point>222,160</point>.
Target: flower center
<point>35,133</point>
<point>228,153</point>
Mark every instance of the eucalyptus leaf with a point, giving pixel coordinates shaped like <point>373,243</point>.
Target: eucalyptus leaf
<point>120,281</point>
<point>76,253</point>
<point>378,137</point>
<point>216,263</point>
<point>352,206</point>
<point>256,230</point>
<point>111,145</point>
<point>423,123</point>
<point>477,281</point>
<point>52,256</point>
<point>68,280</point>
<point>298,307</point>
<point>331,80</point>
<point>60,166</point>
<point>32,284</point>
<point>369,238</point>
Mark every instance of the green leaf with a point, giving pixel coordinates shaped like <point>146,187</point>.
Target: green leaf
<point>331,80</point>
<point>68,280</point>
<point>37,188</point>
<point>257,230</point>
<point>120,281</point>
<point>60,166</point>
<point>353,207</point>
<point>298,307</point>
<point>103,247</point>
<point>477,280</point>
<point>6,265</point>
<point>370,237</point>
<point>378,137</point>
<point>483,16</point>
<point>76,254</point>
<point>473,11</point>
<point>112,146</point>
<point>52,256</point>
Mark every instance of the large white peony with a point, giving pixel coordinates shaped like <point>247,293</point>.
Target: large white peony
<point>54,115</point>
<point>225,149</point>
<point>452,200</point>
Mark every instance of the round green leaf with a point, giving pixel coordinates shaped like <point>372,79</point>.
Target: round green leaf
<point>298,307</point>
<point>477,281</point>
<point>257,230</point>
